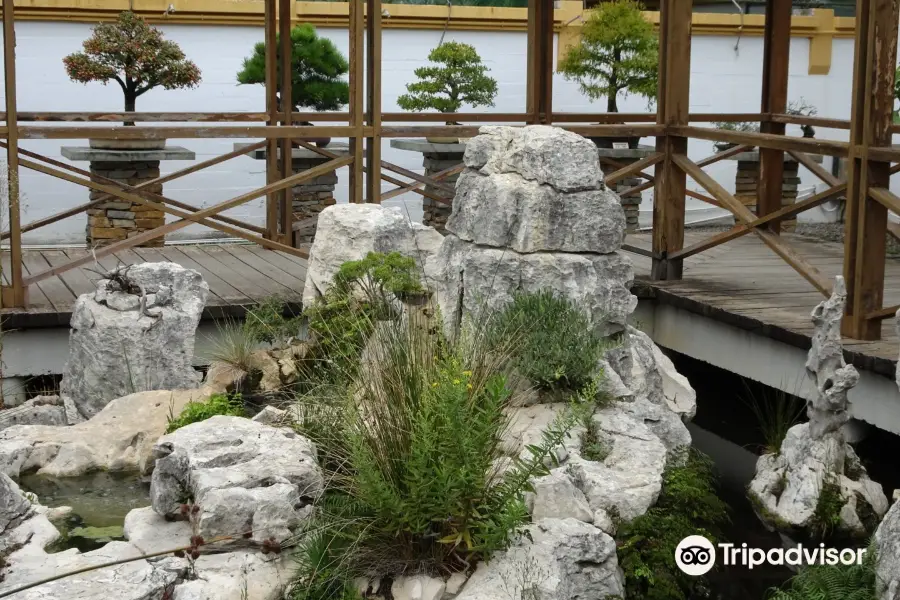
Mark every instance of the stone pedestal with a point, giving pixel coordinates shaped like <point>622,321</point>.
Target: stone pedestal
<point>118,219</point>
<point>746,182</point>
<point>436,158</point>
<point>631,203</point>
<point>310,197</point>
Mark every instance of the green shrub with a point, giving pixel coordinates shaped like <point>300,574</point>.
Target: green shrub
<point>379,273</point>
<point>827,515</point>
<point>556,346</point>
<point>827,582</point>
<point>687,505</point>
<point>266,323</point>
<point>410,453</point>
<point>218,404</point>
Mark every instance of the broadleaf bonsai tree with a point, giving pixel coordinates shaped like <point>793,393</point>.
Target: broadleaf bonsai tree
<point>618,54</point>
<point>317,67</point>
<point>134,55</point>
<point>457,78</point>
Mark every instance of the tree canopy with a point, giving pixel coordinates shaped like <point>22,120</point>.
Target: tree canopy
<point>134,55</point>
<point>316,70</point>
<point>618,52</point>
<point>457,78</point>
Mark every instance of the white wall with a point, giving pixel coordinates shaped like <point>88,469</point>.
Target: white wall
<point>722,80</point>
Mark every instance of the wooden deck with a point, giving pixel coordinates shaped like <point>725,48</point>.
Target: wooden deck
<point>239,275</point>
<point>745,284</point>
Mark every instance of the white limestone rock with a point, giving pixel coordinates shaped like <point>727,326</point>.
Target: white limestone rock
<point>238,575</point>
<point>567,560</point>
<point>556,497</point>
<point>24,527</point>
<point>887,547</point>
<point>245,477</point>
<point>149,532</point>
<point>507,211</point>
<point>418,587</point>
<point>119,438</point>
<point>539,153</point>
<point>43,410</point>
<point>350,231</point>
<point>478,280</point>
<point>116,349</point>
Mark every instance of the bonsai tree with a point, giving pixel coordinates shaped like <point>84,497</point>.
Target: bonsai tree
<point>134,55</point>
<point>457,78</point>
<point>316,70</point>
<point>802,108</point>
<point>618,53</point>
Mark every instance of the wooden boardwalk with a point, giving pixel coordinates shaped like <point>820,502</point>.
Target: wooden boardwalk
<point>239,275</point>
<point>744,283</point>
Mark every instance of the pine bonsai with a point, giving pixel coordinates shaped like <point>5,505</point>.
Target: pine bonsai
<point>458,78</point>
<point>316,70</point>
<point>618,53</point>
<point>134,55</point>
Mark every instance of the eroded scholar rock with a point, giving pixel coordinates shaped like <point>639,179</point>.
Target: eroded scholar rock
<point>135,333</point>
<point>245,477</point>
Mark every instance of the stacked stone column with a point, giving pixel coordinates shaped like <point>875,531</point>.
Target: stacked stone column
<point>118,219</point>
<point>313,196</point>
<point>436,158</point>
<point>631,203</point>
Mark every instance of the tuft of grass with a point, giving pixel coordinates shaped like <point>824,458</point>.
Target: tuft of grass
<point>776,412</point>
<point>266,323</point>
<point>234,346</point>
<point>218,404</point>
<point>687,505</point>
<point>558,349</point>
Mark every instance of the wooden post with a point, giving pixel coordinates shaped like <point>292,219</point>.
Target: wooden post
<point>871,110</point>
<point>286,208</point>
<point>272,229</point>
<point>373,100</point>
<point>674,96</point>
<point>539,74</point>
<point>357,77</point>
<point>776,54</point>
<point>17,297</point>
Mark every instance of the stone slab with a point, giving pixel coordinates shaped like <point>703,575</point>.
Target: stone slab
<point>754,157</point>
<point>636,153</point>
<point>339,148</point>
<point>423,145</point>
<point>96,154</point>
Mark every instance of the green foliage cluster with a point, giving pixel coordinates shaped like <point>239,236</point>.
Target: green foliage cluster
<point>558,349</point>
<point>457,78</point>
<point>837,582</point>
<point>266,323</point>
<point>218,404</point>
<point>827,515</point>
<point>618,53</point>
<point>378,273</point>
<point>741,126</point>
<point>687,505</point>
<point>410,450</point>
<point>317,67</point>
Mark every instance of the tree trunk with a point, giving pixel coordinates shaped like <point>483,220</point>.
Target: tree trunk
<point>611,105</point>
<point>129,107</point>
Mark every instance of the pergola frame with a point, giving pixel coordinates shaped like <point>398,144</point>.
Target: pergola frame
<point>869,150</point>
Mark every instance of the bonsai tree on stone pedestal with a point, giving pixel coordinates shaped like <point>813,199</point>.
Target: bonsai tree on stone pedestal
<point>457,78</point>
<point>316,70</point>
<point>618,54</point>
<point>134,55</point>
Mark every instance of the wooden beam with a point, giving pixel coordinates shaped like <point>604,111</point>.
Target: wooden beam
<point>539,71</point>
<point>776,54</point>
<point>286,53</point>
<point>872,100</point>
<point>635,167</point>
<point>764,140</point>
<point>779,246</point>
<point>709,160</point>
<point>673,110</point>
<point>357,99</point>
<point>271,42</point>
<point>814,167</point>
<point>416,177</point>
<point>413,187</point>
<point>12,160</point>
<point>373,100</point>
<point>812,121</point>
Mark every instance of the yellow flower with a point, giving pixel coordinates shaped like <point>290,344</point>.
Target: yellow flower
<point>435,384</point>
<point>467,373</point>
<point>468,386</point>
<point>456,382</point>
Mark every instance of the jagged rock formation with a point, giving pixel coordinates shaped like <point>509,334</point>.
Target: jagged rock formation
<point>135,333</point>
<point>790,488</point>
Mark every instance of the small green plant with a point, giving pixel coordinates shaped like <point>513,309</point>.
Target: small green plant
<point>832,582</point>
<point>266,323</point>
<point>618,54</point>
<point>687,505</point>
<point>557,348</point>
<point>457,78</point>
<point>379,273</point>
<point>218,404</point>
<point>317,67</point>
<point>776,412</point>
<point>234,345</point>
<point>827,516</point>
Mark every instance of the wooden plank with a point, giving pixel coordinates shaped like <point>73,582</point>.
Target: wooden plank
<point>256,285</point>
<point>780,247</point>
<point>373,100</point>
<point>815,168</point>
<point>271,42</point>
<point>224,292</point>
<point>12,157</point>
<point>813,121</point>
<point>635,167</point>
<point>76,279</point>
<point>241,292</point>
<point>776,54</point>
<point>282,261</point>
<point>37,294</point>
<point>416,177</point>
<point>285,210</point>
<point>156,255</point>
<point>763,140</point>
<point>357,99</point>
<point>262,265</point>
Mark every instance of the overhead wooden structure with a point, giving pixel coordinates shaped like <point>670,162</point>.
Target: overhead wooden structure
<point>869,150</point>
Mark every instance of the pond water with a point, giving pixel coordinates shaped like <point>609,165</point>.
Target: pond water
<point>99,504</point>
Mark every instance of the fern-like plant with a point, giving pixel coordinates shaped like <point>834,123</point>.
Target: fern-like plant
<point>827,582</point>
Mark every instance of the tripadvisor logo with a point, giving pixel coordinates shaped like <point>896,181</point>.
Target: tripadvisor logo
<point>695,555</point>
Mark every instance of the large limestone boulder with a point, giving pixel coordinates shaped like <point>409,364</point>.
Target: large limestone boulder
<point>246,478</point>
<point>24,528</point>
<point>350,231</point>
<point>531,213</point>
<point>564,559</point>
<point>887,547</point>
<point>42,410</point>
<point>135,333</point>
